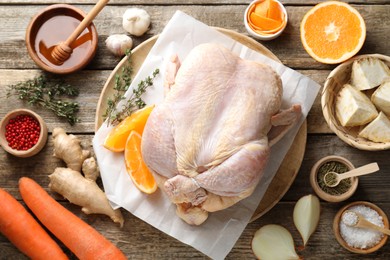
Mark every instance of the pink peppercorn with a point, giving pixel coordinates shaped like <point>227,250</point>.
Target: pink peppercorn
<point>22,132</point>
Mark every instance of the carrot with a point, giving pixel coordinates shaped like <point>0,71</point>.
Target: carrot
<point>25,232</point>
<point>82,239</point>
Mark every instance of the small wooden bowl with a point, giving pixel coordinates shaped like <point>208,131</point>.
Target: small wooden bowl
<point>38,26</point>
<point>42,136</point>
<point>333,84</point>
<point>339,238</point>
<point>321,193</point>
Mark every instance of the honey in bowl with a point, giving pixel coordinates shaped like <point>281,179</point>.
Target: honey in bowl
<point>53,25</point>
<point>49,35</point>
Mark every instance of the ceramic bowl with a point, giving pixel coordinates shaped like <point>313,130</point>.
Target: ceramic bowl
<point>42,36</point>
<point>339,238</point>
<point>320,192</point>
<point>264,37</point>
<point>42,136</point>
<point>333,84</point>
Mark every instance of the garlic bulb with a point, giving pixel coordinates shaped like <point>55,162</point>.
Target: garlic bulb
<point>119,43</point>
<point>136,21</point>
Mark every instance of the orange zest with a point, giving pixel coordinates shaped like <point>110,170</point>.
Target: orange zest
<point>116,139</point>
<point>266,17</point>
<point>332,32</point>
<point>136,167</point>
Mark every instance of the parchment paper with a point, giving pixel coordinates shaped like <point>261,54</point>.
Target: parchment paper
<point>217,236</point>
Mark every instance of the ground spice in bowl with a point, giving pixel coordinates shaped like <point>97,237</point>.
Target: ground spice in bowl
<point>344,190</point>
<point>338,167</point>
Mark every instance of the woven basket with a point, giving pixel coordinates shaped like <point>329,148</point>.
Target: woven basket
<point>333,84</point>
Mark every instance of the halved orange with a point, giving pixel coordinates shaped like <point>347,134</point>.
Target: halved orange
<point>136,167</point>
<point>116,139</point>
<point>332,32</point>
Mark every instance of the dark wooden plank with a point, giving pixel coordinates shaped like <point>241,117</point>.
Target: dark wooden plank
<point>138,240</point>
<point>373,187</point>
<point>322,244</point>
<point>287,47</point>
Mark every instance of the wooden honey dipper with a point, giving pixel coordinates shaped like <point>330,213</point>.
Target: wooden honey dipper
<point>62,51</point>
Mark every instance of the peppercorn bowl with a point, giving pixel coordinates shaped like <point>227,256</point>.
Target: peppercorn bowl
<point>357,234</point>
<point>332,194</point>
<point>23,133</point>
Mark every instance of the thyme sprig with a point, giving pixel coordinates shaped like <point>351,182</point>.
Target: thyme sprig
<point>48,94</point>
<point>134,102</point>
<point>121,84</point>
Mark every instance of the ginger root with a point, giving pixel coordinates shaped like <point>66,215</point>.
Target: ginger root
<point>70,183</point>
<point>68,149</point>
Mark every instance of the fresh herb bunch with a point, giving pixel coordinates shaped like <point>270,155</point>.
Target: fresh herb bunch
<point>41,92</point>
<point>135,101</point>
<point>122,83</point>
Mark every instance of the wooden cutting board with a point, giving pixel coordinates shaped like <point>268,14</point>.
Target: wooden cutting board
<point>289,168</point>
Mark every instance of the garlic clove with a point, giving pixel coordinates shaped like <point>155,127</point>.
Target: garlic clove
<point>119,43</point>
<point>136,21</point>
<point>306,216</point>
<point>273,242</point>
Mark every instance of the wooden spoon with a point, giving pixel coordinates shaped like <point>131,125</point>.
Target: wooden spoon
<point>332,179</point>
<point>62,51</point>
<point>361,222</point>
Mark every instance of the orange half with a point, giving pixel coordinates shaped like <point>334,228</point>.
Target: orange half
<point>332,32</point>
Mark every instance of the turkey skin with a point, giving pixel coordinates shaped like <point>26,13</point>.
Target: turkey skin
<point>209,141</point>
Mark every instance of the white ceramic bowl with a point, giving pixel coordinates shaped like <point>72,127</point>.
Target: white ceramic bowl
<point>264,37</point>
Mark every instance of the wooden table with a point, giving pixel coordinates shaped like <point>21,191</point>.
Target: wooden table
<point>137,239</point>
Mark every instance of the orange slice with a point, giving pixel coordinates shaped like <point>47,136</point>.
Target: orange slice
<point>116,139</point>
<point>136,167</point>
<point>264,23</point>
<point>274,11</point>
<point>262,8</point>
<point>332,32</point>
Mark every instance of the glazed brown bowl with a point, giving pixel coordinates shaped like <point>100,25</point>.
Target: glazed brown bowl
<point>343,243</point>
<point>41,139</point>
<point>52,25</point>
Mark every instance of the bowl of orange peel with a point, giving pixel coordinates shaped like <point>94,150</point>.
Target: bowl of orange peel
<point>126,138</point>
<point>332,32</point>
<point>265,19</point>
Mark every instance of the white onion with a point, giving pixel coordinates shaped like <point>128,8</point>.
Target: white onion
<point>273,242</point>
<point>306,216</point>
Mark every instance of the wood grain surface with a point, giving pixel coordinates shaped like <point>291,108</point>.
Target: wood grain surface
<point>137,239</point>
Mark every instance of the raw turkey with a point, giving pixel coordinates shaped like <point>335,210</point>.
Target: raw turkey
<point>208,143</point>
